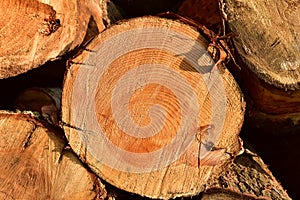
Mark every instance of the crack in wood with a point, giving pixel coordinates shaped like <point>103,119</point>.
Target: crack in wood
<point>62,124</point>
<point>275,43</point>
<point>27,141</point>
<point>70,63</point>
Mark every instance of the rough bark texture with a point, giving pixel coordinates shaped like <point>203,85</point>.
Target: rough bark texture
<point>36,165</point>
<point>269,52</point>
<point>134,67</point>
<point>276,138</point>
<point>34,32</point>
<point>246,178</point>
<point>268,45</point>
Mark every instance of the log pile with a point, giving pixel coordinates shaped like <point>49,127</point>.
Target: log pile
<point>159,106</point>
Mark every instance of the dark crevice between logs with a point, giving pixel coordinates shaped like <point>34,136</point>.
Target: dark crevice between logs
<point>137,8</point>
<point>49,75</point>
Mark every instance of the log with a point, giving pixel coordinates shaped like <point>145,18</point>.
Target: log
<point>36,165</point>
<point>272,125</point>
<point>278,149</point>
<point>148,111</point>
<point>268,51</point>
<point>245,178</point>
<point>268,47</point>
<point>33,32</point>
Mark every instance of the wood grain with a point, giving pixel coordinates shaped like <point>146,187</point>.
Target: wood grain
<point>268,45</point>
<point>27,36</point>
<point>35,165</point>
<point>133,105</point>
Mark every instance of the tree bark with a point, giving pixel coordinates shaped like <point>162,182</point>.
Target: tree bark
<point>148,111</point>
<point>34,32</point>
<point>268,45</point>
<point>35,163</point>
<point>268,48</point>
<point>245,178</point>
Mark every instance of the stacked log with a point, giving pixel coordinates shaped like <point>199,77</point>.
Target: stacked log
<point>267,51</point>
<point>269,60</point>
<point>33,32</point>
<point>135,67</point>
<point>148,104</point>
<point>36,163</point>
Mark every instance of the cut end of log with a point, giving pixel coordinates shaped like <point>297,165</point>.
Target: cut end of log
<point>33,33</point>
<point>35,164</point>
<point>270,60</point>
<point>272,55</point>
<point>144,107</point>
